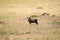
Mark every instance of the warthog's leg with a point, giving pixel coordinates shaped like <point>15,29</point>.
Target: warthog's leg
<point>36,22</point>
<point>29,22</point>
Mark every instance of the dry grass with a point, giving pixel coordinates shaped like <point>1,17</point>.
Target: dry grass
<point>16,26</point>
<point>19,29</point>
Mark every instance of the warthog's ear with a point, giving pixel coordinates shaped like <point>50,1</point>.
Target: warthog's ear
<point>27,18</point>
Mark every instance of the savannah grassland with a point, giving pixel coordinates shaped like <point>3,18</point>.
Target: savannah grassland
<point>14,24</point>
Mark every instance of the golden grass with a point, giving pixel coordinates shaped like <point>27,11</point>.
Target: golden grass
<point>16,26</point>
<point>25,1</point>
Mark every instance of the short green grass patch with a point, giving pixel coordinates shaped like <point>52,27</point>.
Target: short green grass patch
<point>7,16</point>
<point>34,15</point>
<point>54,22</point>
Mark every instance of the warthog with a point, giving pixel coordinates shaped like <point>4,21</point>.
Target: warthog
<point>30,20</point>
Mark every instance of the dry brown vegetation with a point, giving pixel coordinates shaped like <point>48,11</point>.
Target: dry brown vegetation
<point>20,29</point>
<point>14,24</point>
